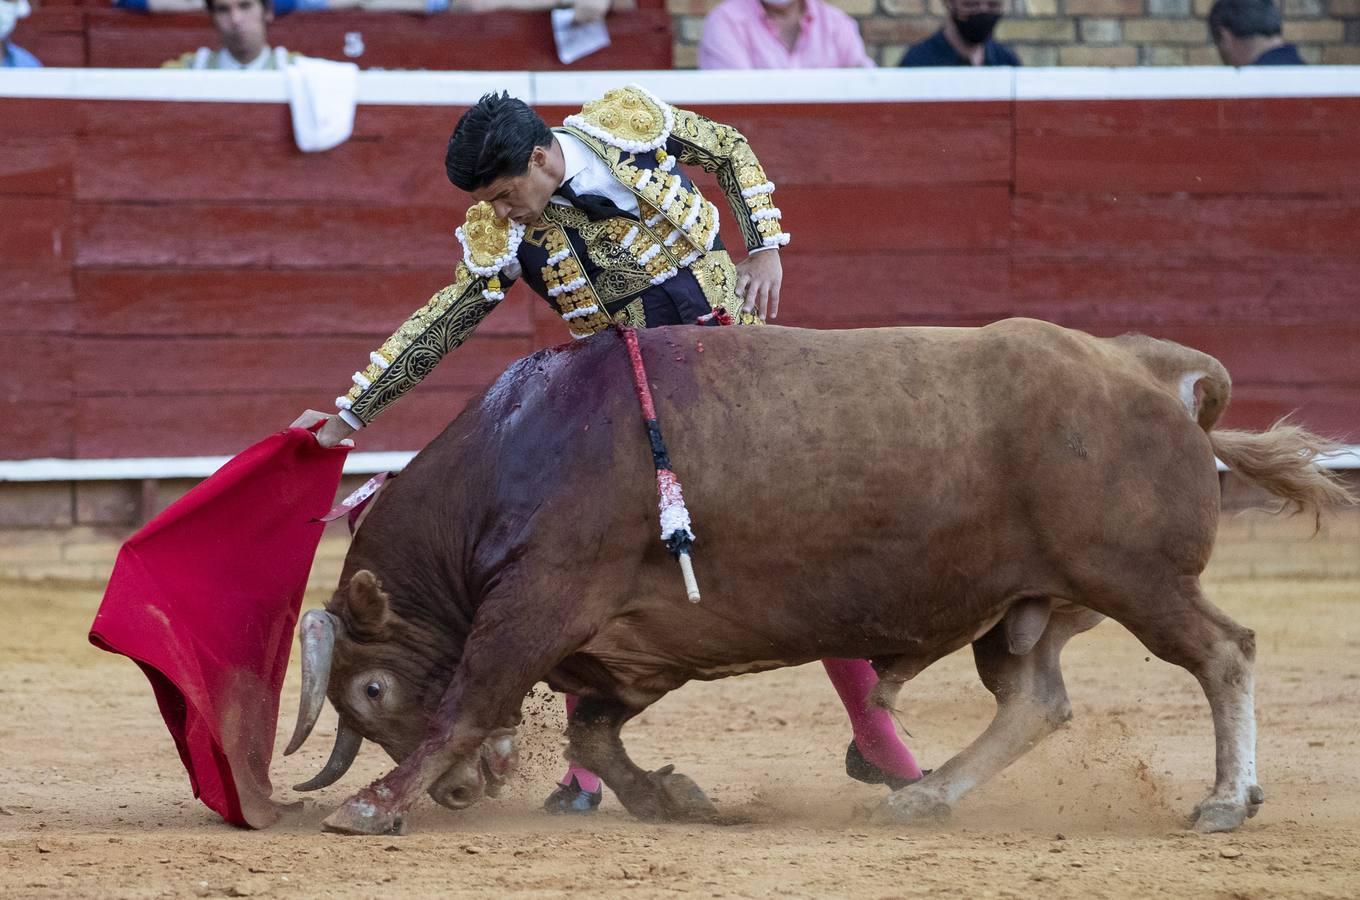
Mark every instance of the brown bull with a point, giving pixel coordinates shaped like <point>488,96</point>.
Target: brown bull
<point>890,494</point>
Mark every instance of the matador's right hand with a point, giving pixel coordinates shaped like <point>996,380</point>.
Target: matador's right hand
<point>334,432</point>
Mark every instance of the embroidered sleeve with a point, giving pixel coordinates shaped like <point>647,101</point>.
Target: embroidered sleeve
<point>443,324</point>
<point>722,150</point>
<point>440,326</point>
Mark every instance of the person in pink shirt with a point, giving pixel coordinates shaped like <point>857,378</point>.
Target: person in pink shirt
<point>781,34</point>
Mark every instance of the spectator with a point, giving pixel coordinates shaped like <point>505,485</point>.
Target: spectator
<point>278,8</point>
<point>1247,33</point>
<point>781,34</point>
<point>242,29</point>
<point>585,10</point>
<point>965,39</point>
<point>13,56</point>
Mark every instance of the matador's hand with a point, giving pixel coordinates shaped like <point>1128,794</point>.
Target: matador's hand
<point>335,430</point>
<point>759,276</point>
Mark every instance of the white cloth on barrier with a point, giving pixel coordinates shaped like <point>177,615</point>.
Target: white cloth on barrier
<point>322,95</point>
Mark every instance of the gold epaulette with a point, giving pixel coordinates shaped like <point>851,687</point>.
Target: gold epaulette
<point>489,243</point>
<point>629,118</point>
<point>183,61</point>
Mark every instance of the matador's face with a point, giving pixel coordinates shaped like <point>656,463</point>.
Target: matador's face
<point>522,198</point>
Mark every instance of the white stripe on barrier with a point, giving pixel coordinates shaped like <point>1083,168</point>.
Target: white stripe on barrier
<point>695,87</point>
<point>782,86</point>
<point>134,469</point>
<point>440,88</point>
<point>1186,83</point>
<point>137,469</point>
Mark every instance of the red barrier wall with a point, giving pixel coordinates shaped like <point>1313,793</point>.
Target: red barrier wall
<point>179,280</point>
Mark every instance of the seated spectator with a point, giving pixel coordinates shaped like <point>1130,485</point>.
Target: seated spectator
<point>1248,33</point>
<point>278,8</point>
<point>781,34</point>
<point>585,10</point>
<point>965,39</point>
<point>242,29</point>
<point>13,56</point>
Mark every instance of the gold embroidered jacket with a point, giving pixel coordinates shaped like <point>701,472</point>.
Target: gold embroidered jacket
<point>589,271</point>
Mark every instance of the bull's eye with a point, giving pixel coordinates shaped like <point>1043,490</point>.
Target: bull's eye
<point>374,690</point>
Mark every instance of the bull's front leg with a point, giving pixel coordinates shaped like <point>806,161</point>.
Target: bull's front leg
<point>468,745</point>
<point>594,742</point>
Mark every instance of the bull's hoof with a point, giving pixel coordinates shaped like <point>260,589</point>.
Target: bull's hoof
<point>1217,815</point>
<point>909,807</point>
<point>1255,797</point>
<point>360,816</point>
<point>680,799</point>
<point>685,800</point>
<point>1213,815</point>
<point>570,799</point>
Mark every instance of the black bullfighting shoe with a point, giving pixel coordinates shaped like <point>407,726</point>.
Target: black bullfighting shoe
<point>860,769</point>
<point>570,799</point>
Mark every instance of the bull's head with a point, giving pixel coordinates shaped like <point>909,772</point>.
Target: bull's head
<point>385,678</point>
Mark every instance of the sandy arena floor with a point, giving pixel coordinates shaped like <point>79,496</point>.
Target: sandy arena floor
<point>95,803</point>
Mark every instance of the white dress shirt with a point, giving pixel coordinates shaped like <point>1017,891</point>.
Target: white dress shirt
<point>589,174</point>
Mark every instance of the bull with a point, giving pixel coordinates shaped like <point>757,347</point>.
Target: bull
<point>892,494</point>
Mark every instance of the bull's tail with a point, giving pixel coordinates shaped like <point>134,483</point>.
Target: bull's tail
<point>1284,461</point>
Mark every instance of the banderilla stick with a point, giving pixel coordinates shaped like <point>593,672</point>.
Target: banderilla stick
<point>675,522</point>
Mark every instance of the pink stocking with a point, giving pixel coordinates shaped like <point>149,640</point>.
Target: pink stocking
<point>874,732</point>
<point>588,780</point>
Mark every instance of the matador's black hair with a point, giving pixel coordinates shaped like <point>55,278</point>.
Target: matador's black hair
<point>492,140</point>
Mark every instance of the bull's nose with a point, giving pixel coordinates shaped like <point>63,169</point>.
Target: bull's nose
<point>459,787</point>
<point>460,797</point>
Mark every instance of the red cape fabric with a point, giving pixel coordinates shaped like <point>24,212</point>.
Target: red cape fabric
<point>205,599</point>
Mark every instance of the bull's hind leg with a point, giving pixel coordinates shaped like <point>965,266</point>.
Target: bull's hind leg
<point>1031,703</point>
<point>594,742</point>
<point>1192,633</point>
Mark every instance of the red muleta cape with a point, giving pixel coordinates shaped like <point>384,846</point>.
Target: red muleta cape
<point>205,598</point>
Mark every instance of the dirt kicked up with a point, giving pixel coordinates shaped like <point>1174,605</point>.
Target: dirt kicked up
<point>94,802</point>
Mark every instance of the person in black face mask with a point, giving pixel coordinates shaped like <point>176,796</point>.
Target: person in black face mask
<point>965,39</point>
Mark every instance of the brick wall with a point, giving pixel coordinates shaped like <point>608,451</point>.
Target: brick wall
<point>1076,32</point>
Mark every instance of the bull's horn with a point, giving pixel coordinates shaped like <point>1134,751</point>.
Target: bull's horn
<point>316,634</point>
<point>346,748</point>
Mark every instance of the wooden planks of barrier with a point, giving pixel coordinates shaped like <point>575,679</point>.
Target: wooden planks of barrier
<point>188,281</point>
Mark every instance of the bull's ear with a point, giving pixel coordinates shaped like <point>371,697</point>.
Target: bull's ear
<point>368,604</point>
